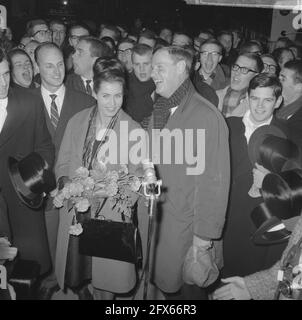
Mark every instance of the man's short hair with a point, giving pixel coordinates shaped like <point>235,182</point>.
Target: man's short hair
<point>141,49</point>
<point>247,46</point>
<point>179,53</point>
<point>114,29</point>
<point>98,48</point>
<point>296,67</point>
<point>148,34</point>
<point>266,80</point>
<point>14,52</point>
<point>32,23</point>
<point>127,40</point>
<point>78,26</point>
<point>183,33</point>
<point>224,32</point>
<point>57,21</point>
<point>3,56</point>
<point>254,57</point>
<point>48,45</point>
<point>212,41</point>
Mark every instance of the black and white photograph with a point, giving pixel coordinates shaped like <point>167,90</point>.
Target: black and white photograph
<point>151,151</point>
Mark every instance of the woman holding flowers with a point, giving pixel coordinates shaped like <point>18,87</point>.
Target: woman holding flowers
<point>95,145</point>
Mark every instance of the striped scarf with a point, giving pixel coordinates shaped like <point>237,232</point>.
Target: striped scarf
<point>162,106</point>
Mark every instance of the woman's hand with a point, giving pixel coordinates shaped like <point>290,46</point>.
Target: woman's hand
<point>258,174</point>
<point>235,289</point>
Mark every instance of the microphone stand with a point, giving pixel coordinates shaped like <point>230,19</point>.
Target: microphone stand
<point>151,195</point>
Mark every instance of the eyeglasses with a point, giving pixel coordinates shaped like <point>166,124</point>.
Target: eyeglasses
<point>43,33</point>
<point>126,51</point>
<point>270,67</point>
<point>214,54</point>
<point>242,70</point>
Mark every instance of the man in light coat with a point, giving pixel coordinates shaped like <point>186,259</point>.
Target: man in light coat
<point>192,213</point>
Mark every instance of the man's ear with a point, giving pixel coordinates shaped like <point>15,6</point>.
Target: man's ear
<point>278,102</point>
<point>181,66</point>
<point>220,58</point>
<point>298,87</point>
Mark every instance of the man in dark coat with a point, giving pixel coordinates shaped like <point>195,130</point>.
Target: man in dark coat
<point>86,52</point>
<point>192,214</point>
<point>68,102</point>
<point>139,104</point>
<point>241,256</point>
<point>23,130</point>
<point>291,110</point>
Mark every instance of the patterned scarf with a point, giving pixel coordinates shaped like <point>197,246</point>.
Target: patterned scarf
<point>232,99</point>
<point>162,106</point>
<point>88,154</point>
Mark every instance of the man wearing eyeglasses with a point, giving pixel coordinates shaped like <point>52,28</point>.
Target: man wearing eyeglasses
<point>211,75</point>
<point>75,32</point>
<point>58,30</point>
<point>233,99</point>
<point>39,31</point>
<point>211,71</point>
<point>124,53</point>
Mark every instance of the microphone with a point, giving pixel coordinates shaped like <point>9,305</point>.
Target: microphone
<point>285,33</point>
<point>150,182</point>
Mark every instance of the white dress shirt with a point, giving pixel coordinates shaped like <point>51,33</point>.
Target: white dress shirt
<point>250,127</point>
<point>59,99</point>
<point>3,112</point>
<point>91,83</point>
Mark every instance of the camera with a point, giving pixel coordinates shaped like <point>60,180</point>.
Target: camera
<point>291,284</point>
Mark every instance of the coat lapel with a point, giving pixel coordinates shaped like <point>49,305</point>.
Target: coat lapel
<point>15,116</point>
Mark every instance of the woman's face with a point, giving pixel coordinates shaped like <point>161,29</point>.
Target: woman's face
<point>110,98</point>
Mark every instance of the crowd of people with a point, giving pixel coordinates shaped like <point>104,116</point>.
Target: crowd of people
<point>64,90</point>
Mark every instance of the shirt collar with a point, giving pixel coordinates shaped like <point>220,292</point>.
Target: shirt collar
<point>250,126</point>
<point>60,92</point>
<point>3,103</point>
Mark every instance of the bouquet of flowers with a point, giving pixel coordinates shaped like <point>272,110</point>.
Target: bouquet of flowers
<point>89,187</point>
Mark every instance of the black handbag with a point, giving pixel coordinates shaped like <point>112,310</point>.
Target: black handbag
<point>111,239</point>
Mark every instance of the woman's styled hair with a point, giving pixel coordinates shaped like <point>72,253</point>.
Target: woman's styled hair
<point>275,153</point>
<point>108,70</point>
<point>282,193</point>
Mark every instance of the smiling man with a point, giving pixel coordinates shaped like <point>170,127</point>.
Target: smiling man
<point>141,87</point>
<point>60,103</point>
<point>232,99</point>
<point>87,50</point>
<point>291,111</point>
<point>193,213</point>
<point>241,256</point>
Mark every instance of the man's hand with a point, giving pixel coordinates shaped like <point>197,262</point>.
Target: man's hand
<point>235,289</point>
<point>7,252</point>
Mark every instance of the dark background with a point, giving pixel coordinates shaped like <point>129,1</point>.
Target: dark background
<point>153,12</point>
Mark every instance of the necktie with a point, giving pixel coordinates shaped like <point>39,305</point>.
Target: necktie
<point>54,114</point>
<point>88,88</point>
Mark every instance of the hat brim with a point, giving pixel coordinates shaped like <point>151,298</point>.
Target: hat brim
<point>32,201</point>
<point>257,138</point>
<point>263,237</point>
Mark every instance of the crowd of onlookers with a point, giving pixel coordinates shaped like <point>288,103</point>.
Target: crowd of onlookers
<point>252,83</point>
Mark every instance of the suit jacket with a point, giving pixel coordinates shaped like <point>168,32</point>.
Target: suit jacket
<point>25,131</point>
<point>74,81</point>
<point>73,103</point>
<point>295,124</point>
<point>192,204</point>
<point>241,256</point>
